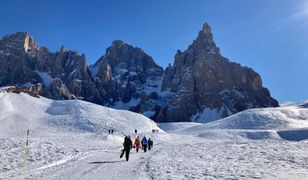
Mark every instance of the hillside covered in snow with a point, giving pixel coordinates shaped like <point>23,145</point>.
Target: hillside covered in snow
<point>69,140</point>
<point>22,111</point>
<point>289,122</point>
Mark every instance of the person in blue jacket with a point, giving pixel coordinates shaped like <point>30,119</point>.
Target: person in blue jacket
<point>144,143</point>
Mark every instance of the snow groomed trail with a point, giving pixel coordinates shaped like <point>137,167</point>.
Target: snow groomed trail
<point>100,162</point>
<point>179,157</point>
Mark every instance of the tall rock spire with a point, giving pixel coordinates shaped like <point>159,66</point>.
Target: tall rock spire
<point>205,41</point>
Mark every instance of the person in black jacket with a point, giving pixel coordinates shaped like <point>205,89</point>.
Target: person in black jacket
<point>128,144</point>
<point>150,143</point>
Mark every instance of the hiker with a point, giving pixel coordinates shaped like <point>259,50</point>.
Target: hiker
<point>111,131</point>
<point>108,131</point>
<point>127,147</point>
<point>135,131</point>
<point>137,143</point>
<point>150,143</point>
<point>144,143</point>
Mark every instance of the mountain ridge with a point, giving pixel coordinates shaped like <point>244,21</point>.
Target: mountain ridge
<point>200,83</point>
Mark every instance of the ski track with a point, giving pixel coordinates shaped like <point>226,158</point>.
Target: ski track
<point>95,164</point>
<point>180,157</point>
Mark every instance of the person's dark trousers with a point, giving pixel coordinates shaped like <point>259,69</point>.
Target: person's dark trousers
<point>123,150</point>
<point>127,154</point>
<point>145,148</point>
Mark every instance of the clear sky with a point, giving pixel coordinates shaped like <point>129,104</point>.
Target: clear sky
<point>271,36</point>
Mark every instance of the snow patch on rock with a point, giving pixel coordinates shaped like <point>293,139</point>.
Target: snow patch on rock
<point>122,105</point>
<point>206,115</point>
<point>46,77</point>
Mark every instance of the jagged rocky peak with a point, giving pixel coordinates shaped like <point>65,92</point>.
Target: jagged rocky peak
<point>20,41</point>
<point>202,85</point>
<point>117,43</point>
<point>206,28</point>
<point>58,75</point>
<point>122,58</point>
<point>127,75</point>
<point>63,49</point>
<point>208,86</point>
<point>204,41</point>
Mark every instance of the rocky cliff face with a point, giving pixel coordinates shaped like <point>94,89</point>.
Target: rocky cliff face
<point>15,62</point>
<point>208,86</point>
<point>202,85</point>
<point>128,78</point>
<point>60,75</point>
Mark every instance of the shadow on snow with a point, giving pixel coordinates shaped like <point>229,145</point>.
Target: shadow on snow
<point>105,162</point>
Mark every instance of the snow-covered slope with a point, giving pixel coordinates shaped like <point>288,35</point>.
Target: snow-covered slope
<point>289,122</point>
<point>265,118</point>
<point>18,112</point>
<point>60,131</point>
<point>69,140</point>
<point>177,126</point>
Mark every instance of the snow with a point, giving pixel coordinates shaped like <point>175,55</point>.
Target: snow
<point>264,118</point>
<point>118,71</point>
<point>73,72</point>
<point>18,111</point>
<point>4,53</point>
<point>93,70</point>
<point>238,93</point>
<point>206,115</point>
<point>77,80</point>
<point>213,51</point>
<point>153,85</point>
<point>127,105</point>
<point>28,84</point>
<point>177,126</point>
<point>69,140</point>
<point>206,159</point>
<point>148,113</point>
<point>47,79</point>
<point>187,73</point>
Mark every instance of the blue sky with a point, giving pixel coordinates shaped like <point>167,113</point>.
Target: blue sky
<point>268,35</point>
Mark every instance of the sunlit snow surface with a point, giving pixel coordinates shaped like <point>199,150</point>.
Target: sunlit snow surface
<point>69,140</point>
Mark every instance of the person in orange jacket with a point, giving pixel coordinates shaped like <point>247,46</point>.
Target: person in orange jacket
<point>137,143</point>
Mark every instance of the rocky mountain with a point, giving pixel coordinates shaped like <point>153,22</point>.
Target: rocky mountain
<point>208,86</point>
<point>58,75</point>
<point>128,78</point>
<point>201,85</point>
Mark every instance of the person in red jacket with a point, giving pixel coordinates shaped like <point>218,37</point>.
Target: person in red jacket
<point>137,143</point>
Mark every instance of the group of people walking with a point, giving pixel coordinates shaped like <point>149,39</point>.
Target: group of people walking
<point>110,131</point>
<point>145,144</point>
